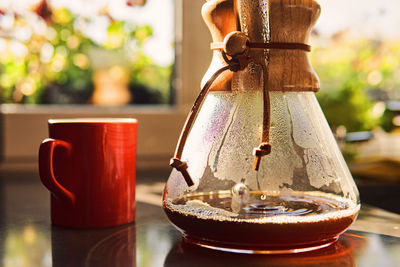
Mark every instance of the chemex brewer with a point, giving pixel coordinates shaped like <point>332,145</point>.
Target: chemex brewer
<point>256,168</point>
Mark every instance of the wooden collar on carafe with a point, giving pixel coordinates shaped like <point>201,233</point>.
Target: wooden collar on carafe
<point>290,23</point>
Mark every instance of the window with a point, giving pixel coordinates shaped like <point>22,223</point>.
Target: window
<point>87,52</point>
<point>356,52</point>
<point>24,126</point>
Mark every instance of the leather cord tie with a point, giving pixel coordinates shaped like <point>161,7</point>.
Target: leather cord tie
<point>257,45</point>
<point>235,49</point>
<point>176,161</point>
<point>181,166</point>
<point>262,150</point>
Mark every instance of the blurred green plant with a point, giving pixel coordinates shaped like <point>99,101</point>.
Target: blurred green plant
<point>356,75</point>
<point>52,64</point>
<point>148,80</point>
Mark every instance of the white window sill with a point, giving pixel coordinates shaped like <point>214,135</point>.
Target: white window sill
<point>23,127</point>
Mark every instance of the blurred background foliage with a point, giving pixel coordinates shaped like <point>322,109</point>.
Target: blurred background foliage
<point>359,76</point>
<point>49,56</point>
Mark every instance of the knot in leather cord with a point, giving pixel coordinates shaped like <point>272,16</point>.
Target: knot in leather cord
<point>262,150</point>
<point>237,62</point>
<point>235,45</point>
<point>178,164</point>
<point>181,166</point>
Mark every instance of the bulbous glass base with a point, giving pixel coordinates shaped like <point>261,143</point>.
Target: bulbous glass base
<point>301,198</point>
<point>263,223</point>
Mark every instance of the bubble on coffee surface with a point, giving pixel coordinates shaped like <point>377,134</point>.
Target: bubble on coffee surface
<point>272,206</point>
<point>240,196</point>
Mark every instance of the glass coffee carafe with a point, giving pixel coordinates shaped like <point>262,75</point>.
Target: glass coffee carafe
<point>257,169</point>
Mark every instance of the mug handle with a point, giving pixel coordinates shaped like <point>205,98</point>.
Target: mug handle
<point>46,173</point>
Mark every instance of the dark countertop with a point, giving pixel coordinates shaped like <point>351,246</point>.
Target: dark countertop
<point>28,239</point>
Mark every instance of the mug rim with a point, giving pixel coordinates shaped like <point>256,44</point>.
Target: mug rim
<point>92,120</point>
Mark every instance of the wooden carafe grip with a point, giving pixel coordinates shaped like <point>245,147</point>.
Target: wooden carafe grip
<point>291,21</point>
<point>220,19</point>
<point>273,21</point>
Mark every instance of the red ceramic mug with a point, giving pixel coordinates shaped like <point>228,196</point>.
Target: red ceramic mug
<point>89,166</point>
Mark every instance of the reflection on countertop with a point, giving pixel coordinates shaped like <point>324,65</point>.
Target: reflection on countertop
<point>339,254</point>
<point>28,239</point>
